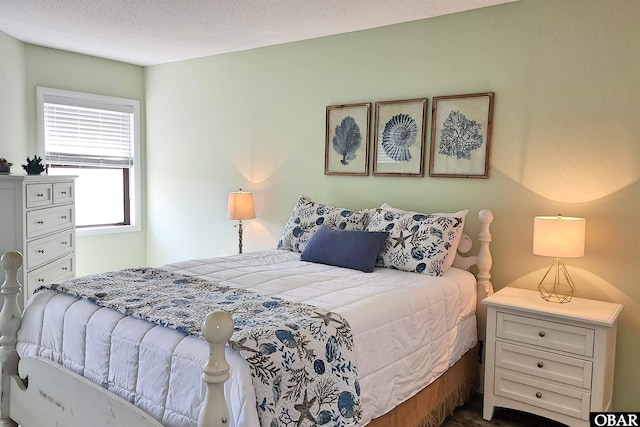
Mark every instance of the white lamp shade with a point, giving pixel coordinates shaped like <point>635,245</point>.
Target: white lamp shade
<point>240,205</point>
<point>559,236</point>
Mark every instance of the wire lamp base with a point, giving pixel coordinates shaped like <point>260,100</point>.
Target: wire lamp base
<point>561,289</point>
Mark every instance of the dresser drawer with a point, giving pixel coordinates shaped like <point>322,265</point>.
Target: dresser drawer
<point>544,333</point>
<point>551,397</point>
<point>564,369</point>
<point>38,195</point>
<point>43,221</point>
<point>47,249</point>
<point>57,270</point>
<point>62,192</point>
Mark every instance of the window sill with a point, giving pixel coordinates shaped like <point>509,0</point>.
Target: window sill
<point>110,229</point>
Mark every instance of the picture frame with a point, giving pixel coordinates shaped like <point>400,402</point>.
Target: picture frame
<point>347,139</point>
<point>453,155</point>
<point>400,135</point>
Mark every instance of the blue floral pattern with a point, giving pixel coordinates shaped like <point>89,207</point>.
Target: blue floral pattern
<point>308,216</point>
<point>417,242</point>
<point>301,357</point>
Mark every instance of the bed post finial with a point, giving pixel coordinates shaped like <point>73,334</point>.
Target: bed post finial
<point>217,329</point>
<point>10,319</point>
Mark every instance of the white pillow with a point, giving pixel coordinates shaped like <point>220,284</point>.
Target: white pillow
<point>451,255</point>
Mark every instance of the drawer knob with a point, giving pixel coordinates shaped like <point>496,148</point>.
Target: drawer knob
<point>63,217</point>
<point>64,243</point>
<point>40,251</point>
<point>40,195</point>
<point>64,268</point>
<point>540,365</point>
<point>40,280</point>
<point>539,395</point>
<point>63,192</point>
<point>541,334</point>
<point>39,222</point>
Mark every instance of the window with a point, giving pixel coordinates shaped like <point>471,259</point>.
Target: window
<point>96,138</point>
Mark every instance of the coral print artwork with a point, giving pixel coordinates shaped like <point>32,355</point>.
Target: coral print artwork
<point>347,140</point>
<point>460,136</point>
<point>400,136</point>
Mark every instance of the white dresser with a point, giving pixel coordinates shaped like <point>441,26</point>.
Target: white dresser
<point>37,218</point>
<point>550,359</point>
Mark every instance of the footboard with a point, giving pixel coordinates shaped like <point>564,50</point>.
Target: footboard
<point>38,392</point>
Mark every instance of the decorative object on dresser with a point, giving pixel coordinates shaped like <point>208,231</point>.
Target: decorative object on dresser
<point>558,237</point>
<point>400,129</point>
<point>346,150</point>
<point>34,166</point>
<point>240,206</point>
<point>552,360</point>
<point>461,135</point>
<point>5,166</point>
<point>38,219</point>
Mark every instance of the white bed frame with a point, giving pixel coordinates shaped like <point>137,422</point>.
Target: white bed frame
<point>37,392</point>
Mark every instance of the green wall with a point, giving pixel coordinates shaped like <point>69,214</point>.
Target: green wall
<point>13,120</point>
<point>565,140</point>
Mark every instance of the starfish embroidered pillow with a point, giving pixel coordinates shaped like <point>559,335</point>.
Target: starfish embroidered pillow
<point>417,242</point>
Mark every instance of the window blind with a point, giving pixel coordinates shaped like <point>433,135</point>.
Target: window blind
<point>83,133</point>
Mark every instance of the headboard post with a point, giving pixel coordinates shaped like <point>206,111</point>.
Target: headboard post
<point>10,320</point>
<point>485,261</point>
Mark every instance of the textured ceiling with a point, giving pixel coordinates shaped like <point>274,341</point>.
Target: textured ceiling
<point>148,32</point>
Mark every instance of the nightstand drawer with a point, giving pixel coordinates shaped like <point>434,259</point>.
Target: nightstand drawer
<point>43,250</point>
<point>563,400</point>
<point>543,364</point>
<point>57,270</point>
<point>38,195</point>
<point>43,221</point>
<point>552,335</point>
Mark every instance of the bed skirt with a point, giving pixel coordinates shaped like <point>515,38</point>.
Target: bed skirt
<point>430,406</point>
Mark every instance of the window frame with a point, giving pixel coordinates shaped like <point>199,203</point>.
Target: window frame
<point>135,175</point>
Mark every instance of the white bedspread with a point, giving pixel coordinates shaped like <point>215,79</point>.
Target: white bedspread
<point>408,329</point>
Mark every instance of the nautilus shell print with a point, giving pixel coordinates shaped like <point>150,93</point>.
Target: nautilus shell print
<point>399,134</point>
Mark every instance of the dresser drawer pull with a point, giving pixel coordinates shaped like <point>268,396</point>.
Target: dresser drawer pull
<point>63,217</point>
<point>541,334</point>
<point>63,192</point>
<point>539,395</point>
<point>64,268</point>
<point>40,195</point>
<point>41,280</point>
<point>40,251</point>
<point>39,222</point>
<point>540,365</point>
<point>64,243</point>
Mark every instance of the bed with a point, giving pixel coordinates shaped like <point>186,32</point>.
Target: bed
<point>410,378</point>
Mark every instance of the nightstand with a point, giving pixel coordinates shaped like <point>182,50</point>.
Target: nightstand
<point>549,359</point>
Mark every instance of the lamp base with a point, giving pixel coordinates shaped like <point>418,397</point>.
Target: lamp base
<point>561,289</point>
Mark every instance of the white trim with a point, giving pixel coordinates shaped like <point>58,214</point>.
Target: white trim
<point>135,182</point>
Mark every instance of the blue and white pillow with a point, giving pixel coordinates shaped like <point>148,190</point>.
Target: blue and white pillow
<point>451,256</point>
<point>308,216</point>
<point>417,242</point>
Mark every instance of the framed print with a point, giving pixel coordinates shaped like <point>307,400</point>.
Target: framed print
<point>346,150</point>
<point>400,137</point>
<point>461,135</point>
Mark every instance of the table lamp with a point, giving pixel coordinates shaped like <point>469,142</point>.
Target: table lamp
<point>240,207</point>
<point>558,237</point>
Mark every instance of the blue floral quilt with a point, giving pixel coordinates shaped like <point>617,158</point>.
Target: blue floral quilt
<point>301,357</point>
